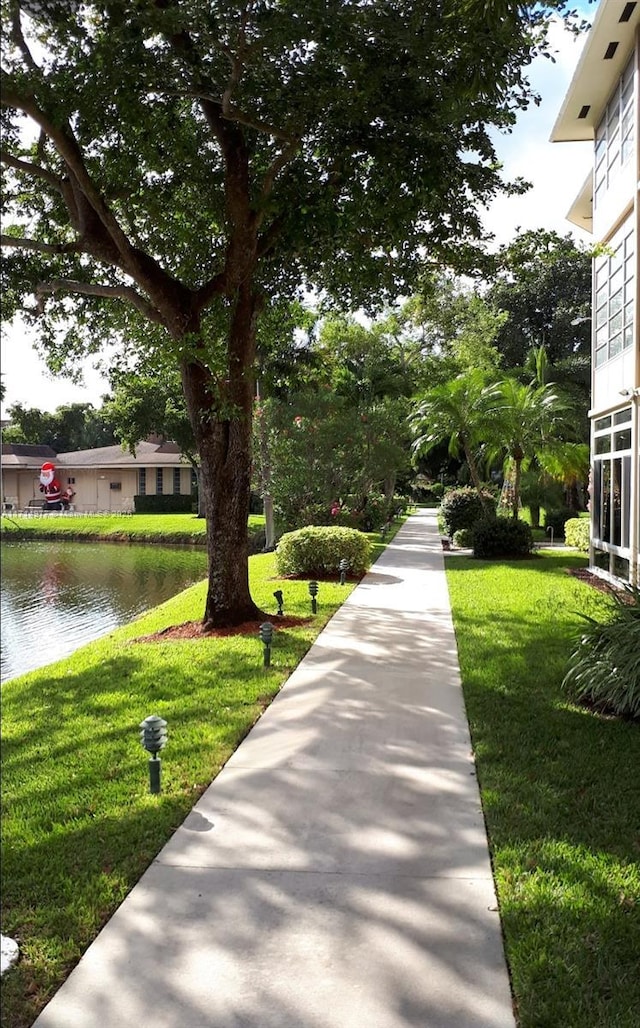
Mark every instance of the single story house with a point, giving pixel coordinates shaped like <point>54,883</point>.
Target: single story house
<point>104,480</point>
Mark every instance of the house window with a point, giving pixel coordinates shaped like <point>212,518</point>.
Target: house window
<point>142,482</point>
<point>115,486</point>
<point>614,296</point>
<point>159,481</point>
<point>176,481</point>
<point>611,493</point>
<point>71,481</point>
<point>614,136</point>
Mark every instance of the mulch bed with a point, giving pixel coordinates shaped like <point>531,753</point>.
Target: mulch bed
<point>196,630</point>
<point>601,584</point>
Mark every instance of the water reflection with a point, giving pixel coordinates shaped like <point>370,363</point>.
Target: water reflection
<point>56,596</point>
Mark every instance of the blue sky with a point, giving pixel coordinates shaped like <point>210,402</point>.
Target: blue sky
<point>557,171</point>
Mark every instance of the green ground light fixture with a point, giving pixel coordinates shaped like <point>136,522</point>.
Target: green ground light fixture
<point>344,567</point>
<point>279,600</point>
<point>313,592</point>
<point>266,636</point>
<point>153,737</point>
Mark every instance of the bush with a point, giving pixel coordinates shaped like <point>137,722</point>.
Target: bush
<point>463,538</point>
<point>317,550</point>
<point>164,503</point>
<point>461,508</point>
<point>576,533</point>
<point>556,519</point>
<point>604,668</point>
<point>502,537</point>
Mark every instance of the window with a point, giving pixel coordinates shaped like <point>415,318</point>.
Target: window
<point>159,481</point>
<point>142,482</point>
<point>116,486</point>
<point>176,481</point>
<point>614,136</point>
<point>71,481</point>
<point>614,298</point>
<point>611,492</point>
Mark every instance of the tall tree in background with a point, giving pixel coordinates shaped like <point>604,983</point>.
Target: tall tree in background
<point>543,283</point>
<point>190,163</point>
<point>73,426</point>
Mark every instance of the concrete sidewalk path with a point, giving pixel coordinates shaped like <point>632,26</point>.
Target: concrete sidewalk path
<point>336,873</point>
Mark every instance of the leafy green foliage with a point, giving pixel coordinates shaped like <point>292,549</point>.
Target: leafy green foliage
<point>318,551</point>
<point>74,426</point>
<point>463,538</point>
<point>461,508</point>
<point>577,533</point>
<point>604,668</point>
<point>557,519</point>
<point>167,503</point>
<point>501,537</point>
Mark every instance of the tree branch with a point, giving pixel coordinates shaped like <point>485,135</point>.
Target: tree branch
<point>18,38</point>
<point>62,285</point>
<point>32,169</point>
<point>21,243</point>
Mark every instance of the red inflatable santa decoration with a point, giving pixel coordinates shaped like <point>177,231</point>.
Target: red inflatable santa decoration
<point>54,498</point>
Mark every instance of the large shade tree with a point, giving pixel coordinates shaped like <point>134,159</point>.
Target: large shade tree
<point>174,167</point>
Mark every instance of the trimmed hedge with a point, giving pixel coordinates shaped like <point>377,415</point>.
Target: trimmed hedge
<point>463,538</point>
<point>461,508</point>
<point>576,533</point>
<point>164,503</point>
<point>502,537</point>
<point>318,550</point>
<point>556,519</point>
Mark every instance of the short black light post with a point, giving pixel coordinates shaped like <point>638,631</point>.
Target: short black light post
<point>266,636</point>
<point>279,600</point>
<point>154,738</point>
<point>313,591</point>
<point>344,567</point>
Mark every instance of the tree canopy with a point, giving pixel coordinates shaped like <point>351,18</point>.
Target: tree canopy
<point>186,165</point>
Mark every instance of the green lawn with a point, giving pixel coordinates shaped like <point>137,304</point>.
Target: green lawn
<point>166,528</point>
<point>79,824</point>
<point>561,793</point>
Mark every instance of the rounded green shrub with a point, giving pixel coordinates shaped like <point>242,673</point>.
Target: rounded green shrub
<point>461,508</point>
<point>502,537</point>
<point>318,550</point>
<point>576,533</point>
<point>556,519</point>
<point>463,538</point>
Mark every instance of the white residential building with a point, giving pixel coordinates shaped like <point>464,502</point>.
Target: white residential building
<point>601,104</point>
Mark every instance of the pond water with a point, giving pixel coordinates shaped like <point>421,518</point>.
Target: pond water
<point>57,596</point>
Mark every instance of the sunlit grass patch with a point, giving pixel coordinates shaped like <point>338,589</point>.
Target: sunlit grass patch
<point>560,793</point>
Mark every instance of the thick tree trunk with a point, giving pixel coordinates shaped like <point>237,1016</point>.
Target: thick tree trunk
<point>220,410</point>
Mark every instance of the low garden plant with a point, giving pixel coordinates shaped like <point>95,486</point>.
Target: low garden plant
<point>576,533</point>
<point>461,508</point>
<point>318,550</point>
<point>501,537</point>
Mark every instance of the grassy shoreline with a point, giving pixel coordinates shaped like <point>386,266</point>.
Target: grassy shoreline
<point>164,529</point>
<point>559,786</point>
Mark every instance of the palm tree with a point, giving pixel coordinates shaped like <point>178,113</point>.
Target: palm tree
<point>529,422</point>
<point>455,411</point>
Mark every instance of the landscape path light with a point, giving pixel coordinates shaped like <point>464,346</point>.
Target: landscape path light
<point>344,567</point>
<point>153,737</point>
<point>313,591</point>
<point>266,635</point>
<point>279,600</point>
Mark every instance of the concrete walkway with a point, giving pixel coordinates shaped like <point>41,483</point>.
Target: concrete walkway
<point>336,873</point>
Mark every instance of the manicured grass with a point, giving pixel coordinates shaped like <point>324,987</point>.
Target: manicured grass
<point>561,795</point>
<point>117,527</point>
<point>79,824</point>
